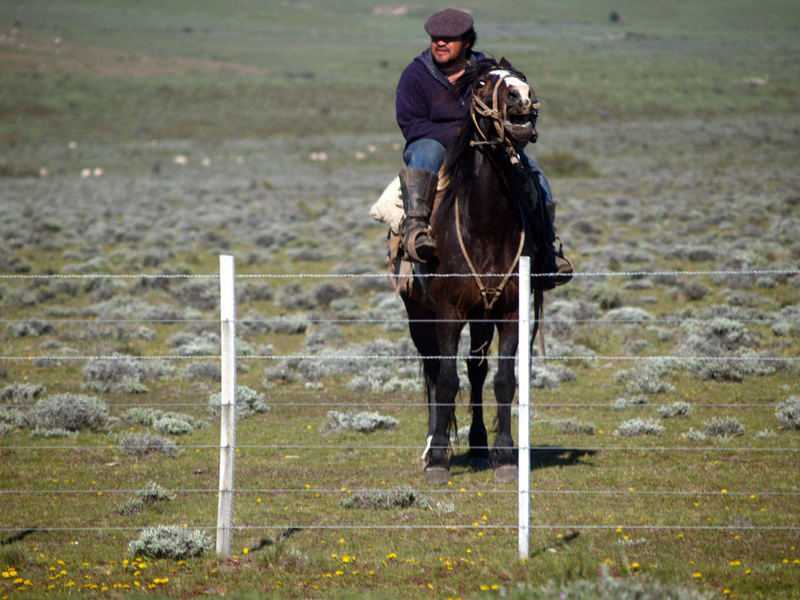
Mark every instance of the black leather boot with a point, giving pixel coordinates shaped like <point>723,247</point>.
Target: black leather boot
<point>418,190</point>
<point>564,266</point>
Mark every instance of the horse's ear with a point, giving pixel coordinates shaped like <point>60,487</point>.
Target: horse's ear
<point>505,64</point>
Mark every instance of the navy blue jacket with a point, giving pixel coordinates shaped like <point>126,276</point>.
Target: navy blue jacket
<point>425,103</point>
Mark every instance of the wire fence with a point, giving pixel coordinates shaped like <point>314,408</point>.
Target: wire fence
<point>298,402</point>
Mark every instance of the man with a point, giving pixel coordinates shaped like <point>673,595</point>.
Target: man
<point>429,115</point>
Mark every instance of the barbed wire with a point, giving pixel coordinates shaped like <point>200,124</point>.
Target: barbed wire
<point>415,448</point>
<point>637,274</point>
<point>543,449</point>
<point>765,320</point>
<point>345,357</point>
<point>367,403</point>
<point>449,490</point>
<point>407,526</point>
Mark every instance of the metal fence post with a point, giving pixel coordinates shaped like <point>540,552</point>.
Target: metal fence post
<point>227,436</point>
<point>524,374</point>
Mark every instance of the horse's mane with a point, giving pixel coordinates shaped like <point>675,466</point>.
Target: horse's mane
<point>460,158</point>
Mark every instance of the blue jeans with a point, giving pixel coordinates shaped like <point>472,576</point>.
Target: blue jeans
<point>428,154</point>
<point>425,154</point>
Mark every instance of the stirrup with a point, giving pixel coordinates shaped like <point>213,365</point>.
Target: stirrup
<point>564,266</point>
<point>427,247</point>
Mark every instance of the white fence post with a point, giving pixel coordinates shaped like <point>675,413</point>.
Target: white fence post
<point>227,436</point>
<point>524,373</point>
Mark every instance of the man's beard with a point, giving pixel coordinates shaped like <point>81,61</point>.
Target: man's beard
<point>452,66</point>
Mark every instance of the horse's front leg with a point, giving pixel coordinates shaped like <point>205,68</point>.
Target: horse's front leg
<point>423,334</point>
<point>442,406</point>
<point>477,368</point>
<point>505,384</point>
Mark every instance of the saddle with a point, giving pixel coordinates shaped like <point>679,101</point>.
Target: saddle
<point>388,209</point>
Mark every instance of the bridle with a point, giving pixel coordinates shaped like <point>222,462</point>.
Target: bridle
<point>498,117</point>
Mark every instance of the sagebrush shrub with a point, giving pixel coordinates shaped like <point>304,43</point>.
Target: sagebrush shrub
<point>143,499</point>
<point>365,422</point>
<point>170,541</point>
<point>724,427</point>
<point>694,435</point>
<point>676,409</point>
<point>12,416</point>
<point>384,500</point>
<point>574,427</point>
<point>31,328</point>
<point>67,411</point>
<point>646,378</point>
<point>788,413</point>
<point>56,432</point>
<point>123,373</point>
<point>622,402</point>
<point>141,415</point>
<point>21,392</point>
<point>204,370</point>
<point>607,587</point>
<point>550,376</point>
<point>248,402</point>
<point>142,444</point>
<point>173,424</point>
<point>639,426</point>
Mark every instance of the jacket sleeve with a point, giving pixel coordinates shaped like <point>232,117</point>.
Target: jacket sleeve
<point>412,106</point>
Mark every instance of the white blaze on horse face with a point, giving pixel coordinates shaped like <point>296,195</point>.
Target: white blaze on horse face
<point>513,82</point>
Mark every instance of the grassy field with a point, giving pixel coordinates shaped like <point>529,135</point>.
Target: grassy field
<point>143,140</point>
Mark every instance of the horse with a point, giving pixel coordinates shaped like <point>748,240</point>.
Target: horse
<point>485,216</point>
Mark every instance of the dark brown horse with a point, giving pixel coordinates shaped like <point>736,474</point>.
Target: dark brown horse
<point>485,218</point>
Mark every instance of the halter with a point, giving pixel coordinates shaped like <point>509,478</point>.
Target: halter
<point>479,107</point>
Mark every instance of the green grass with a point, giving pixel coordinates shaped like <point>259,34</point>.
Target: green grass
<point>692,105</point>
<point>189,72</point>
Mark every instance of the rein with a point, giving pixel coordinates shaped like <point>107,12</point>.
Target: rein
<point>489,295</point>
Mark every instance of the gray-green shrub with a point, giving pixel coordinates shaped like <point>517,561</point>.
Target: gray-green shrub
<point>571,427</point>
<point>174,424</point>
<point>248,402</point>
<point>145,498</point>
<point>365,422</point>
<point>724,427</point>
<point>788,413</point>
<point>21,392</point>
<point>386,499</point>
<point>142,444</point>
<point>607,587</point>
<point>676,409</point>
<point>170,541</point>
<point>67,411</point>
<point>639,426</point>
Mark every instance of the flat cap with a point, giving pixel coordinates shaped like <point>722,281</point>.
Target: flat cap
<point>449,23</point>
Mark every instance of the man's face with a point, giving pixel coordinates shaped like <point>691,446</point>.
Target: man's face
<point>448,50</point>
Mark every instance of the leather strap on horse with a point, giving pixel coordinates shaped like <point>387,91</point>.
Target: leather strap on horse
<point>498,118</point>
<point>488,302</point>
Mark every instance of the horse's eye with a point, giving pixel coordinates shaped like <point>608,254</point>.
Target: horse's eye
<point>480,84</point>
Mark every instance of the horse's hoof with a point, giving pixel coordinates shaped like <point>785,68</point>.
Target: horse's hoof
<point>505,474</point>
<point>437,475</point>
<point>480,463</point>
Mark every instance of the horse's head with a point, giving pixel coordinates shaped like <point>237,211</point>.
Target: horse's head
<point>504,106</point>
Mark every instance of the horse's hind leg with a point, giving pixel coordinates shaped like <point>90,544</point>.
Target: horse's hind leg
<point>505,384</point>
<point>477,368</point>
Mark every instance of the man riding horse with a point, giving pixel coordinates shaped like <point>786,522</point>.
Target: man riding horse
<point>430,116</point>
